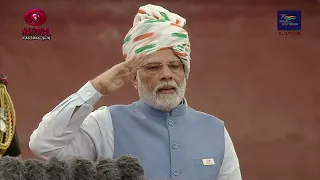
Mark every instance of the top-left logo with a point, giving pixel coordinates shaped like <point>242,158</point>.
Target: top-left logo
<point>35,17</point>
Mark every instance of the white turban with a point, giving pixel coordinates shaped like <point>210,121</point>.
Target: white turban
<point>155,28</point>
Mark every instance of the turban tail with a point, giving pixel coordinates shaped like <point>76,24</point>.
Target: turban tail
<point>155,28</point>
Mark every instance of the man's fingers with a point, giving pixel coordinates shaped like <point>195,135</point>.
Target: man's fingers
<point>135,62</point>
<point>128,68</point>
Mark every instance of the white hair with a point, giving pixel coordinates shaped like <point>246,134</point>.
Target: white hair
<point>163,102</point>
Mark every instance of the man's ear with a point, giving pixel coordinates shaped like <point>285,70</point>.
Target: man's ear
<point>134,80</point>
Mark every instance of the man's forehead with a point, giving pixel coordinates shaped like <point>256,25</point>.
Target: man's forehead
<point>161,59</point>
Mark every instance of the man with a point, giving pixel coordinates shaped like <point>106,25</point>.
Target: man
<point>9,142</point>
<point>171,139</point>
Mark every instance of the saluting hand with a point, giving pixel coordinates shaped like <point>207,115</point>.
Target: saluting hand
<point>115,77</point>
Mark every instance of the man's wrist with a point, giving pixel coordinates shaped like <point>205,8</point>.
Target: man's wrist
<point>96,85</point>
<point>89,94</point>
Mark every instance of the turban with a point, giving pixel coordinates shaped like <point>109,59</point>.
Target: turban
<point>155,28</point>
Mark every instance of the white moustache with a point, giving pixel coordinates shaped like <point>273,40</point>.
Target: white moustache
<point>170,84</point>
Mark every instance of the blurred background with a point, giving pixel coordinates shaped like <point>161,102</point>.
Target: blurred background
<point>264,86</point>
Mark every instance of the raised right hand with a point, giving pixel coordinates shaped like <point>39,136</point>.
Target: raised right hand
<point>115,77</point>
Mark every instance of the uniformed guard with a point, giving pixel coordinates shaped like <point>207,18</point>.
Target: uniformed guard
<point>9,142</point>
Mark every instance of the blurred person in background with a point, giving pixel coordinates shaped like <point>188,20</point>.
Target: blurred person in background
<point>171,139</point>
<point>9,141</point>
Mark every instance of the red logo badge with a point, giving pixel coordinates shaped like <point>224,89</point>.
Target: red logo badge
<point>35,17</point>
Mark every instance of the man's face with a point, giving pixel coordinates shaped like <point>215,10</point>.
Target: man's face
<point>161,82</point>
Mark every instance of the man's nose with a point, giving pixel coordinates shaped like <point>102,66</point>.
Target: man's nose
<point>165,73</point>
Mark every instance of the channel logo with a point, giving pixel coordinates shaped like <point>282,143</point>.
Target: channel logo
<point>35,18</point>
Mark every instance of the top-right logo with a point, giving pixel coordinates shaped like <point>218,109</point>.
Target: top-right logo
<point>289,20</point>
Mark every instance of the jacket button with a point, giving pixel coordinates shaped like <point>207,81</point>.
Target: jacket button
<point>175,146</point>
<point>171,123</point>
<point>176,172</point>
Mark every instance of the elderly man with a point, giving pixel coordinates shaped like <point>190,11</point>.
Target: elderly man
<point>171,139</point>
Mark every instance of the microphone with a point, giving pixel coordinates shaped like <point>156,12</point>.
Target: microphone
<point>125,167</point>
<point>35,170</point>
<point>130,167</point>
<point>11,168</point>
<point>108,169</point>
<point>83,169</point>
<point>58,169</point>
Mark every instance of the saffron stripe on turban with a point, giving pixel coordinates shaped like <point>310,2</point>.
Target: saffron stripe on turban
<point>155,28</point>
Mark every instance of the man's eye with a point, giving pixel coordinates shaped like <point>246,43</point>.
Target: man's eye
<point>174,66</point>
<point>153,67</point>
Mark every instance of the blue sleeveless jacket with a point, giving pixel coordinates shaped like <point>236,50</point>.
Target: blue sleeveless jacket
<point>184,144</point>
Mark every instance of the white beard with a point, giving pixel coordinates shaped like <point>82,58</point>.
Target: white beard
<point>163,102</point>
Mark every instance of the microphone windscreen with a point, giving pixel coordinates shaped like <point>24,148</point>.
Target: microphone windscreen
<point>35,170</point>
<point>108,169</point>
<point>83,169</point>
<point>130,167</point>
<point>58,169</point>
<point>11,168</point>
